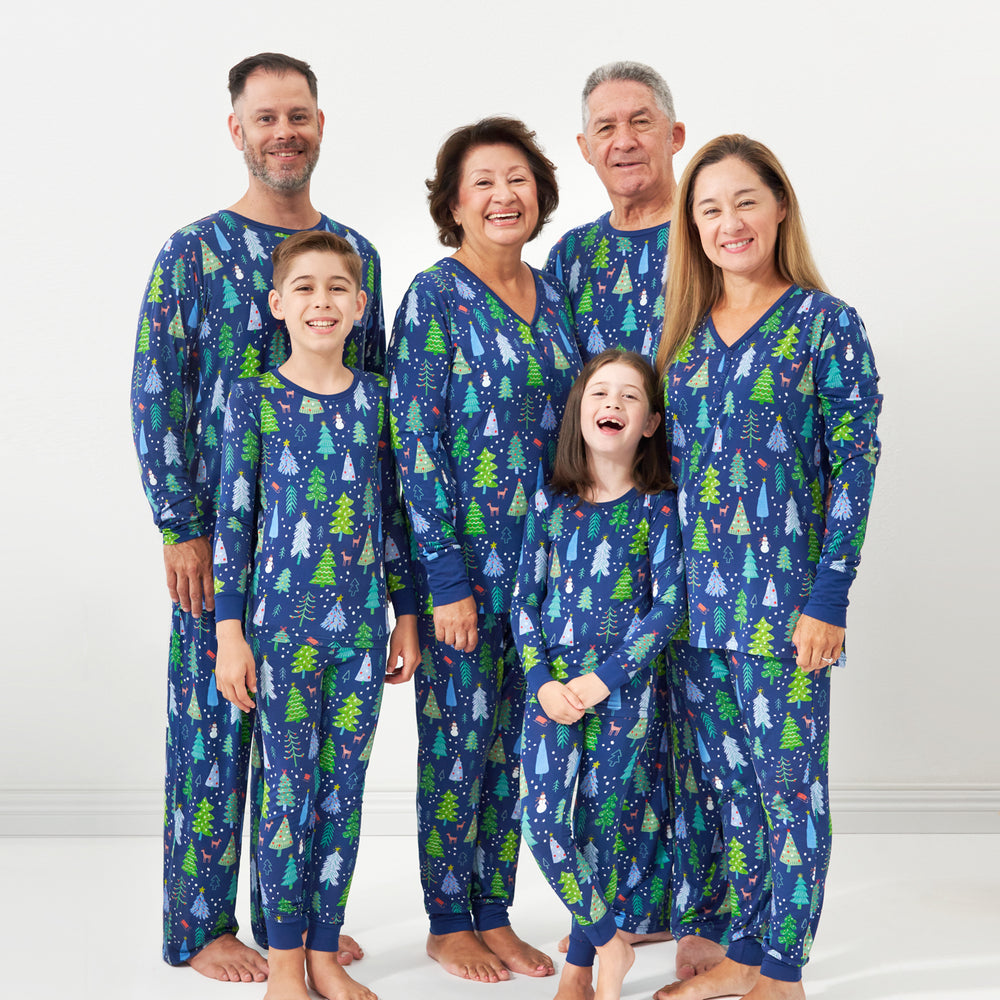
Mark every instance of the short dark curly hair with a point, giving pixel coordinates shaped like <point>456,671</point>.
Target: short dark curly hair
<point>442,188</point>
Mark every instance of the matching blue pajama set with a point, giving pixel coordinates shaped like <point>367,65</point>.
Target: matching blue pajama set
<point>205,322</point>
<point>774,452</point>
<point>600,587</point>
<point>476,396</point>
<point>307,531</point>
<point>615,279</point>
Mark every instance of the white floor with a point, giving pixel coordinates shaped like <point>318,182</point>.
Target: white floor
<point>907,918</point>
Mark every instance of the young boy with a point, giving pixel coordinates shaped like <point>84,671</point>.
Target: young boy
<point>308,529</point>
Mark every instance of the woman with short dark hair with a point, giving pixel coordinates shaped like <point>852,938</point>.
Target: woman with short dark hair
<point>483,355</point>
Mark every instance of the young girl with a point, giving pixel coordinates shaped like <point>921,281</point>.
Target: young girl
<point>308,543</point>
<point>599,593</point>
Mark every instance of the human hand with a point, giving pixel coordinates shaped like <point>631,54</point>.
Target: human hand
<point>189,574</point>
<point>817,644</point>
<point>589,688</point>
<point>235,670</point>
<point>404,651</point>
<point>560,703</point>
<point>457,624</point>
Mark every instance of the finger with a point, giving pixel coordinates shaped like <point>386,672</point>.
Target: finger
<point>172,586</point>
<point>208,589</point>
<point>197,595</point>
<point>252,676</point>
<point>574,700</point>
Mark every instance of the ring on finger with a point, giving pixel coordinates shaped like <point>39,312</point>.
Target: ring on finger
<point>827,659</point>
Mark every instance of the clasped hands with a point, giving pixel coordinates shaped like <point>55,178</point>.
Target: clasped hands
<point>567,702</point>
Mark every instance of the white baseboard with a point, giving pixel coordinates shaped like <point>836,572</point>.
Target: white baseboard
<point>137,811</point>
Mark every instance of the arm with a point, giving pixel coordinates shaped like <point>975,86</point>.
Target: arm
<point>235,671</point>
<point>847,390</point>
<point>374,320</point>
<point>647,638</point>
<point>419,378</point>
<point>164,383</point>
<point>526,615</point>
<point>404,645</point>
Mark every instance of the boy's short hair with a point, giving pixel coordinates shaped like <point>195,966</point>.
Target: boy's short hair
<point>314,240</point>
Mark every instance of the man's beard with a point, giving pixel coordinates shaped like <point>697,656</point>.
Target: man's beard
<point>280,181</point>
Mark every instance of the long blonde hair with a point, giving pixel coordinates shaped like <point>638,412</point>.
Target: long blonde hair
<point>694,283</point>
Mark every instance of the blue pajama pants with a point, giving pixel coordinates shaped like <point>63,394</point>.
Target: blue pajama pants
<point>762,728</point>
<point>316,715</point>
<point>670,826</point>
<point>469,711</point>
<point>208,750</point>
<point>576,853</point>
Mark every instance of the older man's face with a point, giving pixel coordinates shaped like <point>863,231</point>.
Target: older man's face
<point>629,141</point>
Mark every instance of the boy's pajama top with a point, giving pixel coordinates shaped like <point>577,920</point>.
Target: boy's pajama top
<point>600,588</point>
<point>308,530</point>
<point>774,451</point>
<point>204,322</point>
<point>476,394</point>
<point>616,280</point>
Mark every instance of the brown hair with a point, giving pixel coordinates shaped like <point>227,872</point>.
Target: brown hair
<point>694,283</point>
<point>270,62</point>
<point>442,188</point>
<point>651,467</point>
<point>310,240</point>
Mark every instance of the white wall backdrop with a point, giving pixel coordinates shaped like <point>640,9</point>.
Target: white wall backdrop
<point>884,115</point>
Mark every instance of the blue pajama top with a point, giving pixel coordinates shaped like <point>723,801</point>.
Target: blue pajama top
<point>615,279</point>
<point>205,322</point>
<point>309,523</point>
<point>476,396</point>
<point>600,587</point>
<point>774,453</point>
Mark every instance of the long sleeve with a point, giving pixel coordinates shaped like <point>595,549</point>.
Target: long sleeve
<point>846,384</point>
<point>238,505</point>
<point>529,593</point>
<point>398,569</point>
<point>649,635</point>
<point>421,434</point>
<point>165,384</point>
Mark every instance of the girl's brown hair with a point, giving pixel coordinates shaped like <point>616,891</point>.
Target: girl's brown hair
<point>694,283</point>
<point>651,466</point>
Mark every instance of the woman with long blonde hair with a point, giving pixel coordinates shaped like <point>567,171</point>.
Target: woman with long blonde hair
<point>771,403</point>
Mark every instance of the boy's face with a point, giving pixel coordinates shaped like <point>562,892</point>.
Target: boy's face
<point>319,303</point>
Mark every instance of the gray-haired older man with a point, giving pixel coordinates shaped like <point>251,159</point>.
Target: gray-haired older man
<point>615,271</point>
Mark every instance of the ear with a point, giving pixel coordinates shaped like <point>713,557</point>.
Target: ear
<point>678,137</point>
<point>652,422</point>
<point>321,118</point>
<point>274,301</point>
<point>362,302</point>
<point>782,210</point>
<point>235,131</point>
<point>581,141</point>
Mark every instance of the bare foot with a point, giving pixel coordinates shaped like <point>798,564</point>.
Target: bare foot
<point>287,980</point>
<point>774,989</point>
<point>349,950</point>
<point>462,954</point>
<point>516,954</point>
<point>328,978</point>
<point>576,983</point>
<point>696,955</point>
<point>614,959</point>
<point>632,939</point>
<point>229,960</point>
<point>727,979</point>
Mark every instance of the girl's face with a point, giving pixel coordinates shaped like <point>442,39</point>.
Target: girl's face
<point>614,411</point>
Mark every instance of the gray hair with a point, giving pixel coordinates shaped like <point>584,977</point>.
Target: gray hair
<point>637,72</point>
